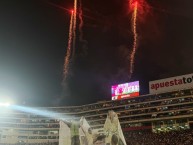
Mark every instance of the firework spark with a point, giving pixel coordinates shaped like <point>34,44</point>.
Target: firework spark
<point>81,21</point>
<point>68,53</point>
<point>134,6</point>
<point>81,37</point>
<point>74,27</point>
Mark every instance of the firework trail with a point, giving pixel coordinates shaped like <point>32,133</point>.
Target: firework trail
<point>74,27</point>
<point>81,39</point>
<point>134,29</point>
<point>139,10</point>
<point>68,53</point>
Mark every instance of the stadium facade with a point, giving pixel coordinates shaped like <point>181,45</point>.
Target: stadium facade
<point>161,112</point>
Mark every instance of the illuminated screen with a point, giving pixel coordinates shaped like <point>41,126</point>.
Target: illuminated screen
<point>126,90</point>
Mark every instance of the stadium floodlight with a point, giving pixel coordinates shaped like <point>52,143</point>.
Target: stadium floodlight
<point>7,104</point>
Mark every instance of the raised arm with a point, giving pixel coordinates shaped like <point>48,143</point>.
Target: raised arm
<point>67,123</point>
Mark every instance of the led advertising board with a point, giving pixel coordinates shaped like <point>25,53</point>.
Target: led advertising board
<point>171,84</point>
<point>126,90</point>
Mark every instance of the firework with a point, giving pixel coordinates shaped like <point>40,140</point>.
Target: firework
<point>68,53</point>
<point>81,39</point>
<point>134,29</point>
<point>74,27</point>
<point>139,10</point>
<point>81,21</point>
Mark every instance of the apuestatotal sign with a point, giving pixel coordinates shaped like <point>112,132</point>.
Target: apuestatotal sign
<point>171,84</point>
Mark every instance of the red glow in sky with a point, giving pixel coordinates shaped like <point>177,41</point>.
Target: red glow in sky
<point>141,5</point>
<point>133,4</point>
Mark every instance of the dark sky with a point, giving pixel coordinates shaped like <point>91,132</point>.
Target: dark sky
<point>33,42</point>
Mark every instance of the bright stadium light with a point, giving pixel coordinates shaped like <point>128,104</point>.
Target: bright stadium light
<point>39,111</point>
<point>7,104</point>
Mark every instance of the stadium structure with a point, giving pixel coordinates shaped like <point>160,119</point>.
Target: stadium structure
<point>162,112</point>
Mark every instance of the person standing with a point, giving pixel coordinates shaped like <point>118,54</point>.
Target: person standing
<point>74,131</point>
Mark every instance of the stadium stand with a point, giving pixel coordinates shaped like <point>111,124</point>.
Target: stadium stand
<point>182,137</point>
<point>165,118</point>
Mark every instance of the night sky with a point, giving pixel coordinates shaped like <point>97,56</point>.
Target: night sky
<point>33,42</point>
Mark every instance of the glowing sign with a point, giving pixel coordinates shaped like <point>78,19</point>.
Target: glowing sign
<point>126,90</point>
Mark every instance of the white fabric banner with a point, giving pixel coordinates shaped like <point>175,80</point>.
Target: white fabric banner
<point>64,134</point>
<point>112,128</point>
<point>112,131</point>
<point>85,137</point>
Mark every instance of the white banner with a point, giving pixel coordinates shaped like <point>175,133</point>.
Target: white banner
<point>85,137</point>
<point>112,129</point>
<point>64,134</point>
<point>111,133</point>
<point>171,84</point>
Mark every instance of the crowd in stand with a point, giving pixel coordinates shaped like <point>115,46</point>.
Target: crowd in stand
<point>132,107</point>
<point>51,143</point>
<point>153,106</point>
<point>130,103</point>
<point>32,126</point>
<point>184,137</point>
<point>141,102</point>
<point>107,104</point>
